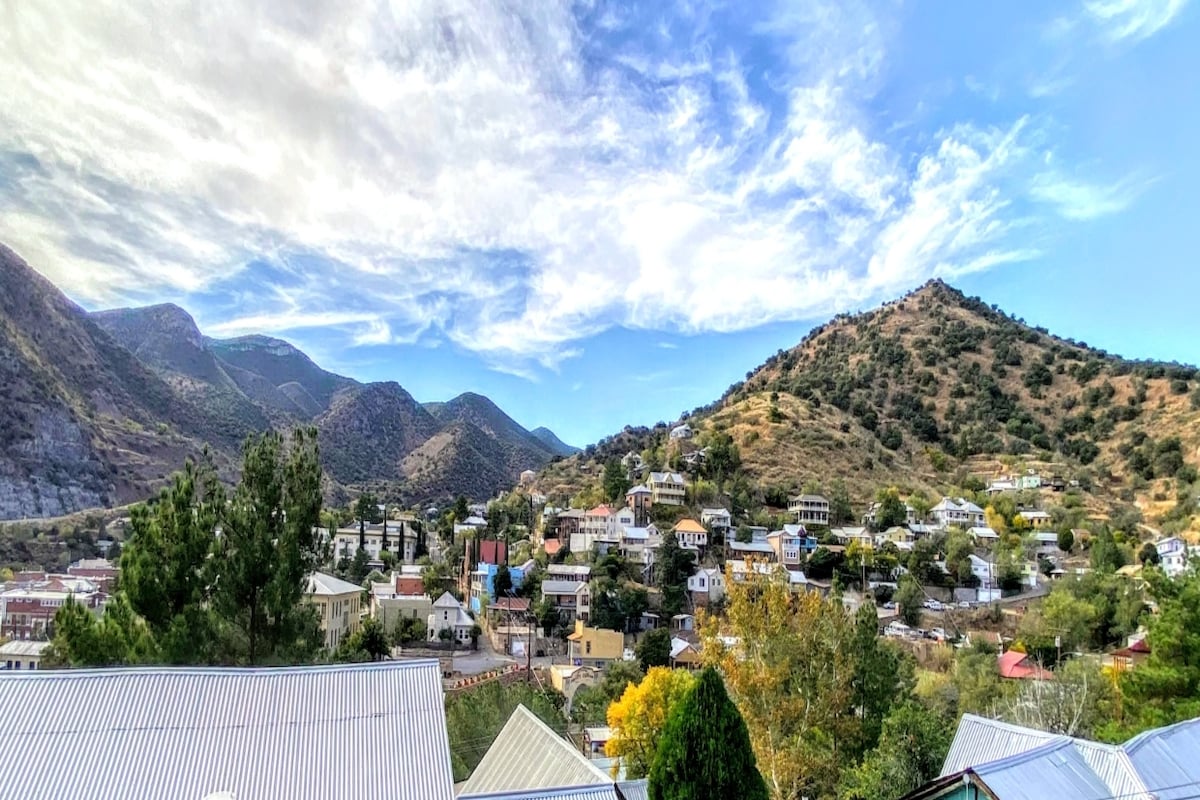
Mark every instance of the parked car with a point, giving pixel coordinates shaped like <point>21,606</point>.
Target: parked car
<point>963,604</point>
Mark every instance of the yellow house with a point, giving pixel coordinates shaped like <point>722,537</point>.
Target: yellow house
<point>594,647</point>
<point>339,606</point>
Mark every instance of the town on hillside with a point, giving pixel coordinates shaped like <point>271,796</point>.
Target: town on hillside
<point>564,631</point>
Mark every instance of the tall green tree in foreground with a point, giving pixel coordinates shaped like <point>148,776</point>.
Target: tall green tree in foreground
<point>705,749</point>
<point>208,580</point>
<point>674,566</point>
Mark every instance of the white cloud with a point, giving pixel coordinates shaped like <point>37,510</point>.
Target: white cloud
<point>1133,19</point>
<point>473,169</point>
<point>1080,200</point>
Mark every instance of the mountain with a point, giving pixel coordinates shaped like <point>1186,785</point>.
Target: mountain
<point>83,422</point>
<point>305,387</point>
<point>98,409</point>
<point>556,445</point>
<point>936,386</point>
<point>368,430</point>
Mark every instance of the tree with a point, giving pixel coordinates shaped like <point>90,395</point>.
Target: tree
<point>912,746</point>
<point>891,510</point>
<point>502,582</point>
<point>366,510</point>
<point>1066,540</point>
<point>705,749</point>
<point>881,675</point>
<point>615,481</point>
<point>637,718</point>
<point>673,567</point>
<point>744,534</point>
<point>590,706</point>
<point>910,598</point>
<point>1061,617</point>
<point>461,510</point>
<point>546,614</point>
<point>791,675</point>
<point>267,550</point>
<point>368,643</point>
<point>654,650</point>
<point>840,510</point>
<point>1148,555</point>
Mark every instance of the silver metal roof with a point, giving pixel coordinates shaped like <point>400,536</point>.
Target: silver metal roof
<point>1168,759</point>
<point>259,734</point>
<point>608,792</point>
<point>979,740</point>
<point>1056,769</point>
<point>528,755</point>
<point>634,790</point>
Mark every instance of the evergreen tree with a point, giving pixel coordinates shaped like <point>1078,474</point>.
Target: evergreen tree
<point>654,650</point>
<point>366,509</point>
<point>881,675</point>
<point>840,511</point>
<point>615,481</point>
<point>502,583</point>
<point>705,749</point>
<point>267,551</point>
<point>672,569</point>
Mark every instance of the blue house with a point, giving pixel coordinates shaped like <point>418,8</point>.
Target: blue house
<point>483,582</point>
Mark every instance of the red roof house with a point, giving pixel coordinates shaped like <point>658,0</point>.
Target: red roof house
<point>1016,665</point>
<point>492,551</point>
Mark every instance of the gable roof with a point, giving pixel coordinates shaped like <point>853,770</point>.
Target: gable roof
<point>1017,665</point>
<point>666,477</point>
<point>446,601</point>
<point>258,734</point>
<point>324,585</point>
<point>527,754</point>
<point>551,546</point>
<point>689,526</point>
<point>639,489</point>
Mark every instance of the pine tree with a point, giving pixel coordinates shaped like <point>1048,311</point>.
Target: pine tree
<point>674,566</point>
<point>705,749</point>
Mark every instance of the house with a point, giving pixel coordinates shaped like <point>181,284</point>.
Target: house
<point>1131,656</point>
<point>578,573</point>
<point>22,655</point>
<point>1046,543</point>
<point>1001,761</point>
<point>795,579</point>
<point>401,540</point>
<point>760,549</point>
<point>99,571</point>
<point>999,486</point>
<point>681,432</point>
<point>684,655</point>
<point>707,586</point>
<point>870,517</point>
<point>404,596</point>
<point>719,519</point>
<point>449,615</point>
<point>810,509</point>
<point>639,499</point>
<point>339,606</point>
<point>633,542</point>
<point>26,612</point>
<point>483,583</point>
<point>983,534</point>
<point>696,458</point>
<point>1015,665</point>
<point>632,461</point>
<point>683,622</point>
<point>601,525</point>
<point>1172,555</point>
<point>848,535</point>
<point>790,544</point>
<point>480,554</point>
<point>691,534</point>
<point>666,488</point>
<point>960,512</point>
<point>528,760</point>
<point>1036,519</point>
<point>594,647</point>
<point>984,571</point>
<point>265,733</point>
<point>571,598</point>
<point>567,524</point>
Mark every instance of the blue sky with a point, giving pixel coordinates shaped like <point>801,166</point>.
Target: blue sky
<point>600,213</point>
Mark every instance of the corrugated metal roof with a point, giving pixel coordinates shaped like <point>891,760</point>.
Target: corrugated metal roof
<point>634,790</point>
<point>527,755</point>
<point>322,584</point>
<point>260,734</point>
<point>1168,759</point>
<point>979,740</point>
<point>585,792</point>
<point>1056,769</point>
<point>18,647</point>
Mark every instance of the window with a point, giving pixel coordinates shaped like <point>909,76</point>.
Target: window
<point>587,647</point>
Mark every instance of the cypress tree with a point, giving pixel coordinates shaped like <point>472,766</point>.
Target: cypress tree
<point>705,751</point>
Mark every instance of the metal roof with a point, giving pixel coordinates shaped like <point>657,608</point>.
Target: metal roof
<point>979,740</point>
<point>1168,759</point>
<point>319,583</point>
<point>634,790</point>
<point>558,793</point>
<point>1056,769</point>
<point>259,734</point>
<point>560,587</point>
<point>528,755</point>
<point>18,647</point>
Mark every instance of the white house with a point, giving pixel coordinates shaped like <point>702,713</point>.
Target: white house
<point>964,513</point>
<point>706,586</point>
<point>810,509</point>
<point>985,571</point>
<point>683,431</point>
<point>1036,519</point>
<point>666,488</point>
<point>691,534</point>
<point>449,615</point>
<point>1172,555</point>
<point>716,518</point>
<point>983,534</point>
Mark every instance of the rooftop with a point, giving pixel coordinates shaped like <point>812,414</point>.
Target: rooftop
<point>324,585</point>
<point>257,734</point>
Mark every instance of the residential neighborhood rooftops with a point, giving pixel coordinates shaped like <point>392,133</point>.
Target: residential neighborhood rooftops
<point>639,489</point>
<point>666,477</point>
<point>689,525</point>
<point>578,570</point>
<point>321,584</point>
<point>751,547</point>
<point>561,587</point>
<point>255,734</point>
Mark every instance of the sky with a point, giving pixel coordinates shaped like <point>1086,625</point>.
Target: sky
<point>601,214</point>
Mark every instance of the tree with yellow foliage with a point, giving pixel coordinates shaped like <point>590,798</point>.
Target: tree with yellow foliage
<point>638,717</point>
<point>791,673</point>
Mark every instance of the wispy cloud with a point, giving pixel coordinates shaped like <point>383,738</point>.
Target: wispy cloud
<point>1081,200</point>
<point>506,180</point>
<point>1133,20</point>
<point>667,346</point>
